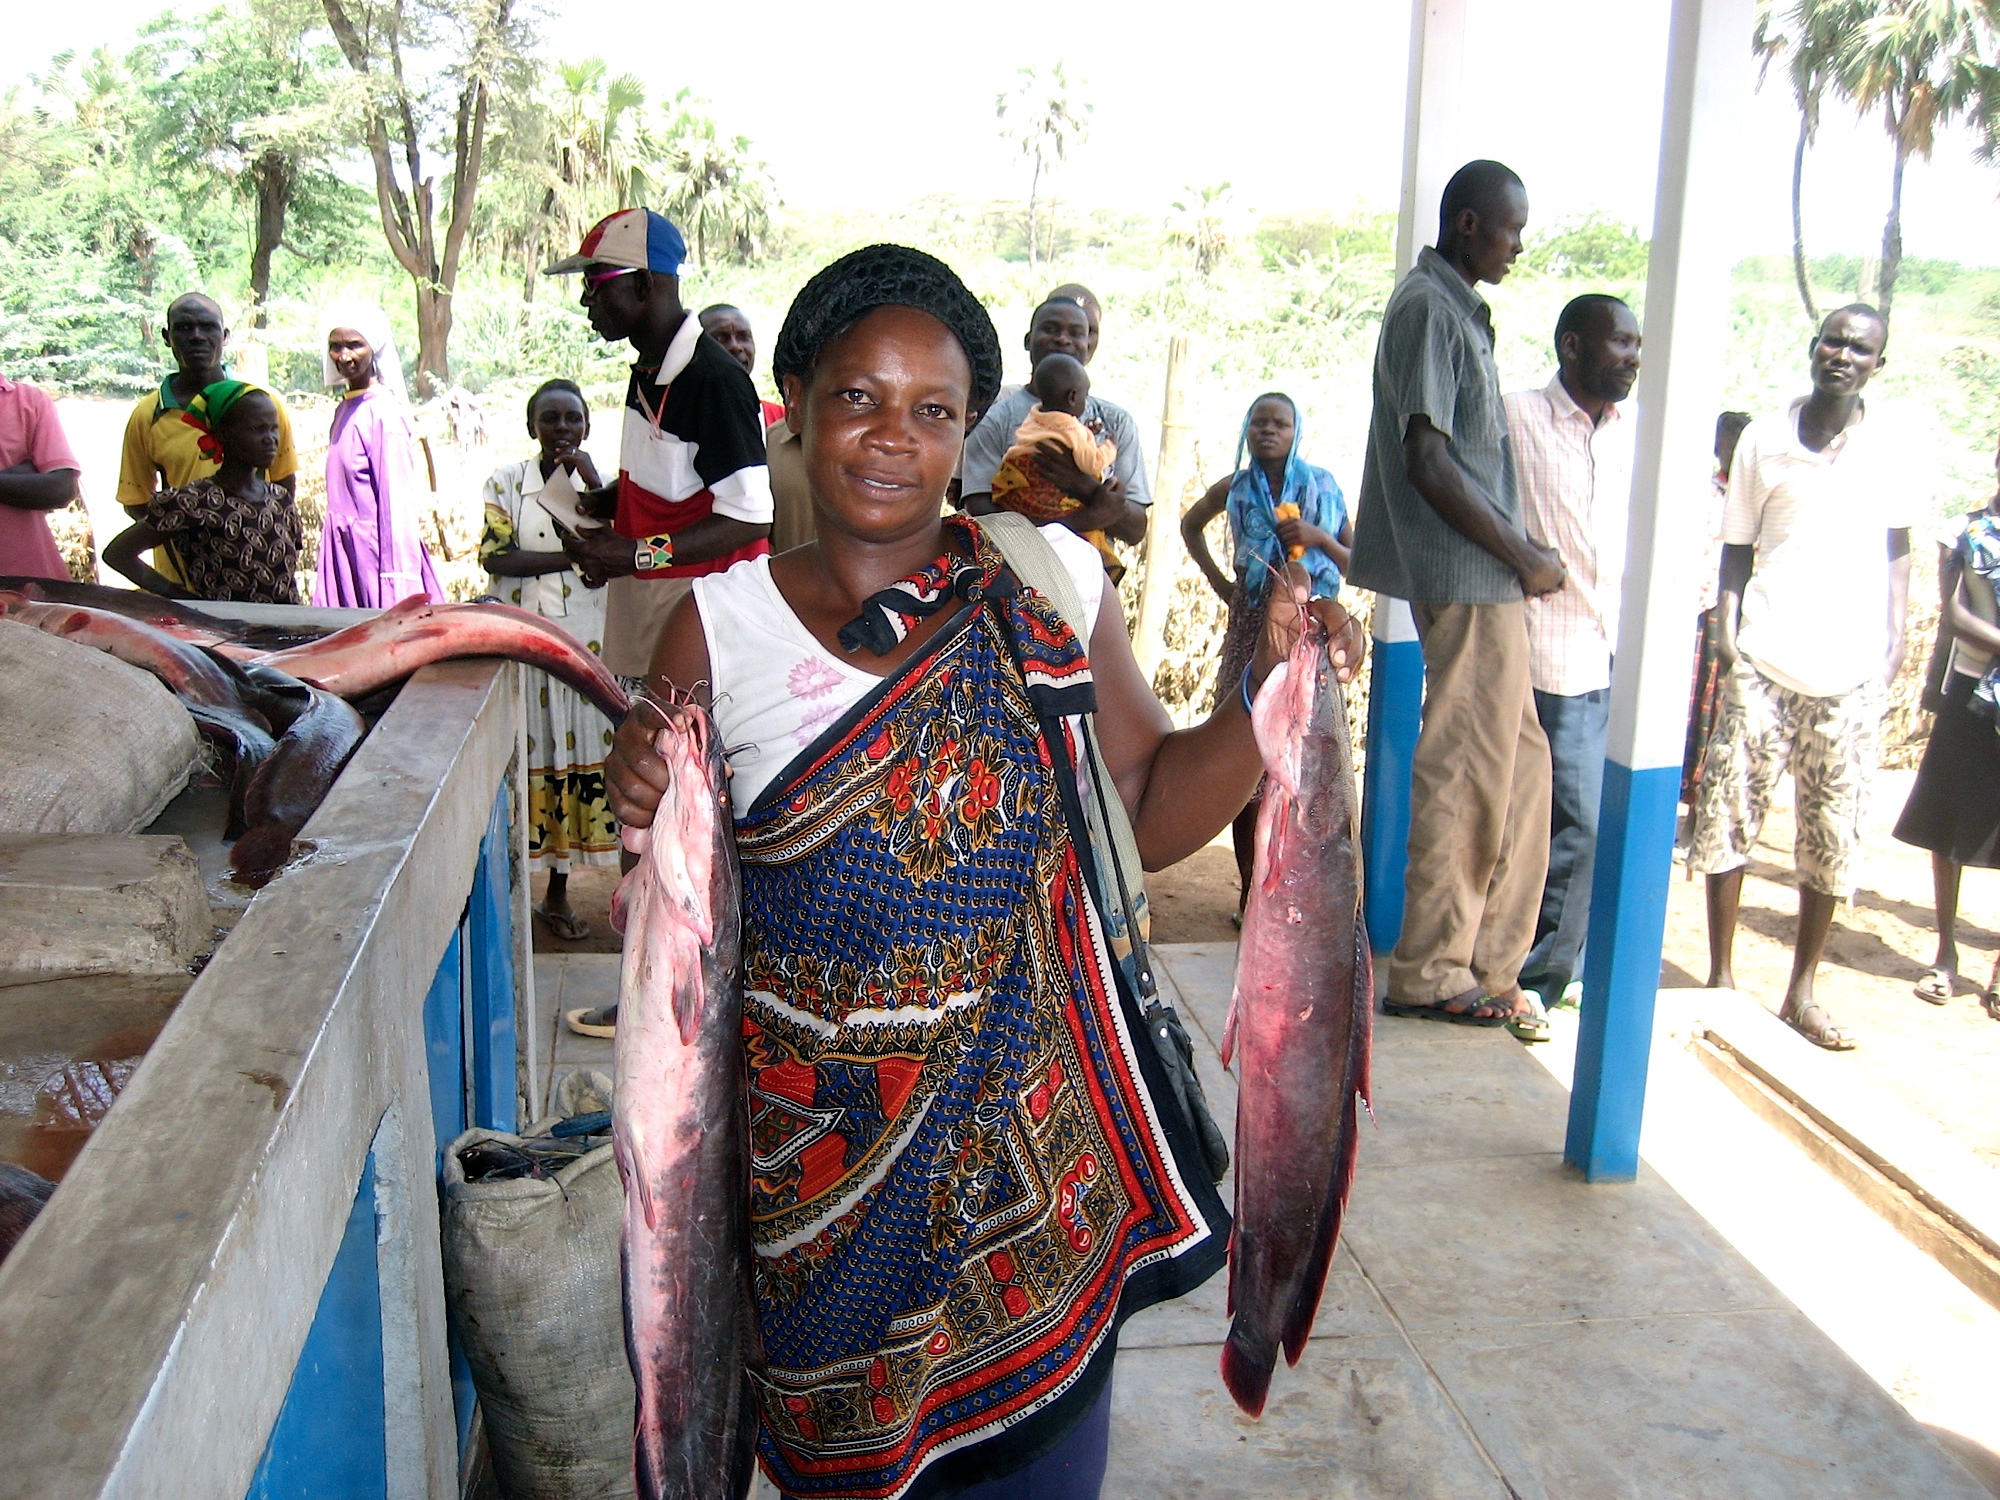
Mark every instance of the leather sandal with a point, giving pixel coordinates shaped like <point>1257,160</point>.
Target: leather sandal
<point>1823,1033</point>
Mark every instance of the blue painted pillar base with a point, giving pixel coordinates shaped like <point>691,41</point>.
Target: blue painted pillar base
<point>1395,715</point>
<point>329,1438</point>
<point>1621,970</point>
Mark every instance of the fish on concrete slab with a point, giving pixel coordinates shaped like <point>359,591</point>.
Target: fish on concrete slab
<point>191,674</point>
<point>680,1132</point>
<point>1301,1021</point>
<point>416,632</point>
<point>180,620</point>
<point>288,787</point>
<point>22,1197</point>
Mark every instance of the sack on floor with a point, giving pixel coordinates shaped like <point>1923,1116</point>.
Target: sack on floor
<point>532,1286</point>
<point>90,744</point>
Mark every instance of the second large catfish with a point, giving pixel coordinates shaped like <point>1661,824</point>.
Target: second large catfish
<point>1300,1021</point>
<point>680,1131</point>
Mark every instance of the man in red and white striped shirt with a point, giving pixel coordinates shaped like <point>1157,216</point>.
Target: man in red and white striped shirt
<point>1573,460</point>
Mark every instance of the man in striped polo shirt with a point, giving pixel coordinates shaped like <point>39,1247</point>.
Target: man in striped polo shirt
<point>1573,457</point>
<point>693,494</point>
<point>1439,525</point>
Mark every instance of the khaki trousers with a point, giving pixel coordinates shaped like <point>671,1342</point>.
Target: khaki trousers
<point>1479,809</point>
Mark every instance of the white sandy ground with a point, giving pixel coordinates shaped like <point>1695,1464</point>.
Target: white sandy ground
<point>1917,1330</point>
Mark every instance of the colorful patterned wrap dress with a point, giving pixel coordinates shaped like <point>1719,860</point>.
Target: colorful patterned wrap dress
<point>569,815</point>
<point>961,1183</point>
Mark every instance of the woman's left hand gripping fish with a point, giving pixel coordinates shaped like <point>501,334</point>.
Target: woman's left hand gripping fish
<point>680,1130</point>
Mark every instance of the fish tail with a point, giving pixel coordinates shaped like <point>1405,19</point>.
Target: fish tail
<point>1246,1371</point>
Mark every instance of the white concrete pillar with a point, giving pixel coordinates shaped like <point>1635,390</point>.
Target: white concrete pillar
<point>1686,325</point>
<point>1432,151</point>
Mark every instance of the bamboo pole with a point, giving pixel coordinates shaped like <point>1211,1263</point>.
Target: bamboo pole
<point>1156,594</point>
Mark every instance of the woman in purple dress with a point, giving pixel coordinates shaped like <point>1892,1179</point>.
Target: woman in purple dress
<point>371,553</point>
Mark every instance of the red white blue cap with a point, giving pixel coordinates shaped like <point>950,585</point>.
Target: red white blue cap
<point>635,237</point>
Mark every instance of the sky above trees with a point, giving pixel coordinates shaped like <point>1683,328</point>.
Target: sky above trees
<point>1298,107</point>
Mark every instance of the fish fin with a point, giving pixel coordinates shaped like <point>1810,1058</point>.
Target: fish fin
<point>1245,1372</point>
<point>1281,823</point>
<point>621,900</point>
<point>688,996</point>
<point>743,1462</point>
<point>1229,1027</point>
<point>261,853</point>
<point>1305,1307</point>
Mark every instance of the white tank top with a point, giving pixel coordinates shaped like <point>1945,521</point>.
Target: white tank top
<point>776,689</point>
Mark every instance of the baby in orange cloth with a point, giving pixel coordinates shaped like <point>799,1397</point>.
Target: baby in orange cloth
<point>1062,386</point>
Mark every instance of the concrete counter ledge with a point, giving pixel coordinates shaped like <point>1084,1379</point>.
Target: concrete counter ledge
<point>152,1321</point>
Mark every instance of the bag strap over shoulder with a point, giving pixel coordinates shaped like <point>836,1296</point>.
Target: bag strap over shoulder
<point>1128,925</point>
<point>1039,566</point>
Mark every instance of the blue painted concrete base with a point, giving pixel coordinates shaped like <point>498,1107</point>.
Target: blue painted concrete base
<point>1621,970</point>
<point>1395,715</point>
<point>329,1438</point>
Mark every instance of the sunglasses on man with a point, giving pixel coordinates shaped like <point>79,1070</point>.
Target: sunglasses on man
<point>592,280</point>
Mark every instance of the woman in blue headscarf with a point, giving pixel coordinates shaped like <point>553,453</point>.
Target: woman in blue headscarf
<point>1279,506</point>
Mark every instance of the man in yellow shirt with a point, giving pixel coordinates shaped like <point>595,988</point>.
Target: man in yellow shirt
<point>162,447</point>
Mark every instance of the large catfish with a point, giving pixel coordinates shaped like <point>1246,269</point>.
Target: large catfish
<point>680,1130</point>
<point>1301,1020</point>
<point>374,653</point>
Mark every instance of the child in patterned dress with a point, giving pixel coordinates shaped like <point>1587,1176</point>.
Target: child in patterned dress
<point>237,535</point>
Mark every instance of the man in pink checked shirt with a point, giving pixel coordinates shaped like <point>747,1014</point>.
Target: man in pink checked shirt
<point>1573,460</point>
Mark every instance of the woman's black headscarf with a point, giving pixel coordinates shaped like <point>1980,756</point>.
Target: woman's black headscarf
<point>888,276</point>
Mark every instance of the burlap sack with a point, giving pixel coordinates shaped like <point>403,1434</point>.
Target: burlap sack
<point>532,1285</point>
<point>87,743</point>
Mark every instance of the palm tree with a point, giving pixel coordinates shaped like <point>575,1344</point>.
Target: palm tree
<point>708,184</point>
<point>1807,56</point>
<point>1040,118</point>
<point>1922,63</point>
<point>1200,224</point>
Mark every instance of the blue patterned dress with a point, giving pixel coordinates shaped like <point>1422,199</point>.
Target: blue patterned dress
<point>961,1185</point>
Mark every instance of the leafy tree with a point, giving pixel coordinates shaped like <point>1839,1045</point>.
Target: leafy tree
<point>708,184</point>
<point>243,97</point>
<point>565,156</point>
<point>1200,224</point>
<point>427,66</point>
<point>1046,124</point>
<point>1593,245</point>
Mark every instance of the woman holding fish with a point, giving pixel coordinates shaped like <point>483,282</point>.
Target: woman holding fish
<point>961,1174</point>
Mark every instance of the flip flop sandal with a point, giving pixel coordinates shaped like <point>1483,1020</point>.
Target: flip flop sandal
<point>1437,1012</point>
<point>588,1021</point>
<point>1532,1025</point>
<point>1990,1002</point>
<point>1827,1034</point>
<point>1937,987</point>
<point>566,925</point>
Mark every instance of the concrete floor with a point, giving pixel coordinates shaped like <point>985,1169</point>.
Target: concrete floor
<point>1492,1327</point>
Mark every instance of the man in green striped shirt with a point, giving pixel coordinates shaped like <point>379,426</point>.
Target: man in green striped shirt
<point>1439,525</point>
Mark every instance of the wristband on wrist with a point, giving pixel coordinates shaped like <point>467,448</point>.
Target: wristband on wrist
<point>653,552</point>
<point>1248,696</point>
